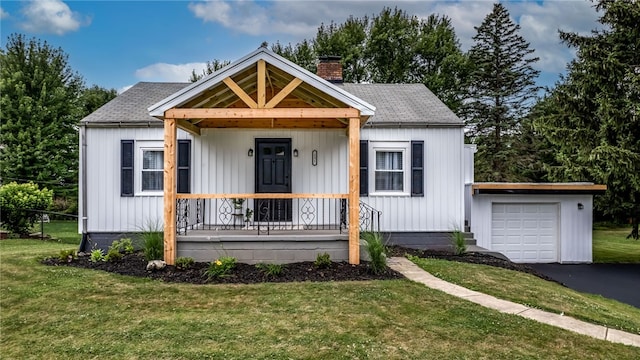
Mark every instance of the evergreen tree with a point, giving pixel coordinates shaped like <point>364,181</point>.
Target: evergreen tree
<point>501,88</point>
<point>94,97</point>
<point>595,122</point>
<point>40,109</point>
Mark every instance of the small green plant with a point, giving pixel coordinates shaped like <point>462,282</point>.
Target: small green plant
<point>376,249</point>
<point>19,205</point>
<point>322,260</point>
<point>221,267</point>
<point>67,255</point>
<point>126,246</point>
<point>97,255</point>
<point>184,263</point>
<point>458,242</point>
<point>153,241</point>
<point>270,269</point>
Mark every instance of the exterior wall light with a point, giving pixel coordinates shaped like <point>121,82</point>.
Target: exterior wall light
<point>580,206</point>
<point>250,153</point>
<point>295,152</point>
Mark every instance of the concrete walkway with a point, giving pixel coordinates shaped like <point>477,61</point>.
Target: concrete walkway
<point>415,273</point>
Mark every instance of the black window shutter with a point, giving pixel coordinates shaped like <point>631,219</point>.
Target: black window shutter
<point>364,162</point>
<point>126,167</point>
<point>417,168</point>
<point>184,166</point>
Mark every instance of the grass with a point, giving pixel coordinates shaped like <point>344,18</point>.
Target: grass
<point>610,245</point>
<point>537,293</point>
<point>72,313</point>
<point>63,231</point>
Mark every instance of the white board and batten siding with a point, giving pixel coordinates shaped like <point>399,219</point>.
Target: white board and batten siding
<point>107,211</point>
<point>535,228</point>
<point>442,206</point>
<point>220,164</point>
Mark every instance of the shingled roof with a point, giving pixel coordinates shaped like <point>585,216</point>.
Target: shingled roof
<point>411,105</point>
<point>130,107</point>
<point>403,104</point>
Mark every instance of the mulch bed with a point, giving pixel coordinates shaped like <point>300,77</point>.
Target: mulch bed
<point>135,265</point>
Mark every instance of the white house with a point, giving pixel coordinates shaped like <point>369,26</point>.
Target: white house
<point>265,161</point>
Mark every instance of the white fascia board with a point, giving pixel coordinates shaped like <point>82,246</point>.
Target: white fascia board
<point>186,94</point>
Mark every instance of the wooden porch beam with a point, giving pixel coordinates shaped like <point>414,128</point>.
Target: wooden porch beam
<point>261,80</point>
<point>283,93</point>
<point>241,94</point>
<point>234,113</point>
<point>354,190</point>
<point>188,127</point>
<point>170,134</point>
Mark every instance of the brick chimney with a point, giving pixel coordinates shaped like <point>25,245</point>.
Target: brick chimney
<point>330,68</point>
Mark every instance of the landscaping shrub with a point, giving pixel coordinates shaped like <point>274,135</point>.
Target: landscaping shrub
<point>184,263</point>
<point>221,267</point>
<point>19,205</point>
<point>323,260</point>
<point>376,249</point>
<point>459,242</point>
<point>270,269</point>
<point>97,255</point>
<point>67,255</point>
<point>152,241</point>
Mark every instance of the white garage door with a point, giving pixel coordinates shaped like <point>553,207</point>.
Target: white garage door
<point>525,233</point>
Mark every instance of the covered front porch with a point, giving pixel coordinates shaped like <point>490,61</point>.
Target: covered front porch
<point>259,93</point>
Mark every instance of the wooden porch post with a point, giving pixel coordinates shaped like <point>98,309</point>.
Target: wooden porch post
<point>170,134</point>
<point>354,190</point>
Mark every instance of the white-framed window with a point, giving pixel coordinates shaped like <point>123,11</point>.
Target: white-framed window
<point>150,162</point>
<point>391,168</point>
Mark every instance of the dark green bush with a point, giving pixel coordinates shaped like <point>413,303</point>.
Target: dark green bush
<point>19,205</point>
<point>323,261</point>
<point>184,263</point>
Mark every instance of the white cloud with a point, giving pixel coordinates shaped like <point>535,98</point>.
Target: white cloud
<point>3,14</point>
<point>51,16</point>
<point>169,72</point>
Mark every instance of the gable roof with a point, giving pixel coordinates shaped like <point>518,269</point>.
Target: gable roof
<point>130,107</point>
<point>412,105</point>
<point>283,69</point>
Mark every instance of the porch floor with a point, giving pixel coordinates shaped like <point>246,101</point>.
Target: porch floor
<point>278,246</point>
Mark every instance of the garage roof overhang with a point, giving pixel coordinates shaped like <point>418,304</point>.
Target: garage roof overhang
<point>537,188</point>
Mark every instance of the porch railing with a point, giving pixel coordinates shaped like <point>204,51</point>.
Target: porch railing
<point>264,213</point>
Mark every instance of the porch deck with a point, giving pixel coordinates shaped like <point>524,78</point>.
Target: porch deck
<point>279,246</point>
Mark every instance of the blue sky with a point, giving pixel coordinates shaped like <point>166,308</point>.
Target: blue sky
<point>115,44</point>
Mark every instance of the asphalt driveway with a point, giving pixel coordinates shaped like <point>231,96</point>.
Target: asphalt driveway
<point>615,281</point>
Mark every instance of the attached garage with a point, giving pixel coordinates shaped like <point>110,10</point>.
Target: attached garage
<point>526,233</point>
<point>535,223</point>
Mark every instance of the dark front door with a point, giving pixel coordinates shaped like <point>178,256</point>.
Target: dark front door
<point>273,175</point>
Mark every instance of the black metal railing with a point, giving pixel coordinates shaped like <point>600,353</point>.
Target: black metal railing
<point>262,216</point>
<point>369,218</point>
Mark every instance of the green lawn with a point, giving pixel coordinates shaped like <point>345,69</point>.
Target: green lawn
<point>71,313</point>
<point>532,291</point>
<point>610,245</point>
